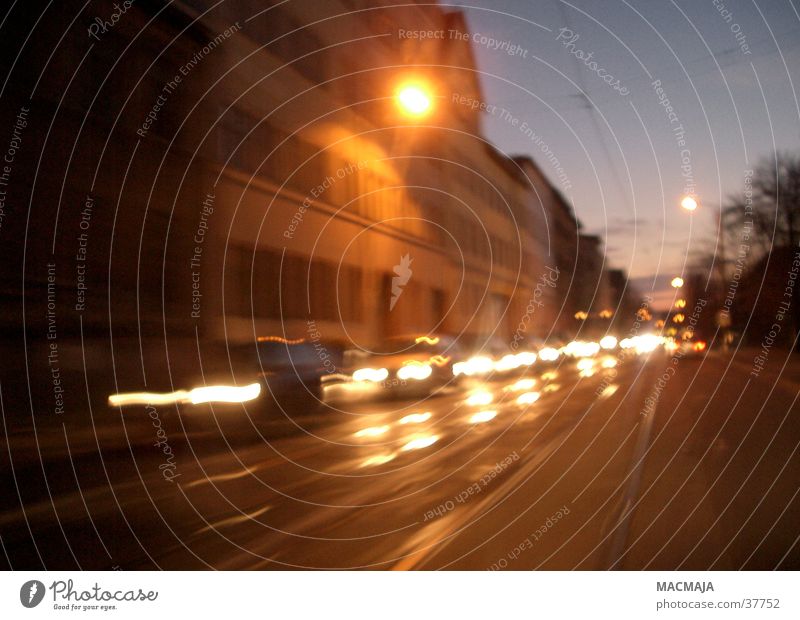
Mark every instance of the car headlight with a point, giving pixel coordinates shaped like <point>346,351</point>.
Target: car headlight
<point>376,375</point>
<point>417,372</point>
<point>479,365</point>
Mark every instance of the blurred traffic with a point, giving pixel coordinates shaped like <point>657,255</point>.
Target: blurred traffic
<point>287,379</point>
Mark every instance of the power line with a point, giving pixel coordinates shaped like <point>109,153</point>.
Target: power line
<point>588,105</point>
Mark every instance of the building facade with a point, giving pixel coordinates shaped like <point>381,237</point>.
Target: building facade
<point>220,173</point>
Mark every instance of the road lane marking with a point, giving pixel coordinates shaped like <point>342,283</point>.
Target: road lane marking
<point>623,524</point>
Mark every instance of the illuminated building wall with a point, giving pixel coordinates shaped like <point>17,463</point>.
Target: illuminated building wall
<point>242,179</point>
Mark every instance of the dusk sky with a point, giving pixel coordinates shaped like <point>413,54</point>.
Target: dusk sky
<point>729,70</point>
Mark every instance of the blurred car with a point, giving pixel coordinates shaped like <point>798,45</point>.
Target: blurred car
<point>270,384</point>
<point>690,348</point>
<point>405,366</point>
<point>290,374</point>
<point>495,360</point>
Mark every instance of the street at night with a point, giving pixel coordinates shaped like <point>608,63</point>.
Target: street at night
<point>588,476</point>
<point>489,297</point>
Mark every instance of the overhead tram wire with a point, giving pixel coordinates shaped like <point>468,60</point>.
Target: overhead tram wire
<point>598,130</point>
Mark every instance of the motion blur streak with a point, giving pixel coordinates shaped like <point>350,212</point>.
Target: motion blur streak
<point>521,385</point>
<point>609,391</point>
<point>440,360</point>
<point>479,365</point>
<point>416,418</point>
<point>234,520</point>
<point>370,374</point>
<point>197,396</point>
<point>148,398</point>
<point>483,416</point>
<point>420,443</point>
<point>480,398</point>
<point>373,431</point>
<point>378,459</point>
<point>417,372</point>
<point>224,394</point>
<point>528,398</point>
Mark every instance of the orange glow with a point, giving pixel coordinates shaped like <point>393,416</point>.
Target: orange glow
<point>439,360</point>
<point>549,354</point>
<point>479,398</point>
<point>699,345</point>
<point>280,339</point>
<point>147,398</point>
<point>436,360</point>
<point>679,318</point>
<point>483,416</point>
<point>681,303</point>
<point>197,396</point>
<point>609,390</point>
<point>378,459</point>
<point>689,203</point>
<point>414,370</point>
<point>376,375</point>
<point>224,394</point>
<point>528,398</point>
<point>608,342</point>
<point>479,365</point>
<point>670,345</point>
<point>427,340</point>
<point>420,442</point>
<point>521,385</point>
<point>413,99</point>
<point>416,418</point>
<point>372,431</point>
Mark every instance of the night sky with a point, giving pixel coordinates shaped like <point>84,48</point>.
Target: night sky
<point>729,70</point>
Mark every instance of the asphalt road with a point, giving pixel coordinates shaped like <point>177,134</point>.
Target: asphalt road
<point>650,465</point>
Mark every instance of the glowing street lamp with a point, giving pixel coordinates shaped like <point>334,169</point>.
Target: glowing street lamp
<point>689,203</point>
<point>413,99</point>
<point>677,282</point>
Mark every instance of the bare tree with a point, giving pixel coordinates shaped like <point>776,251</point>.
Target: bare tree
<point>766,217</point>
<point>771,204</point>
